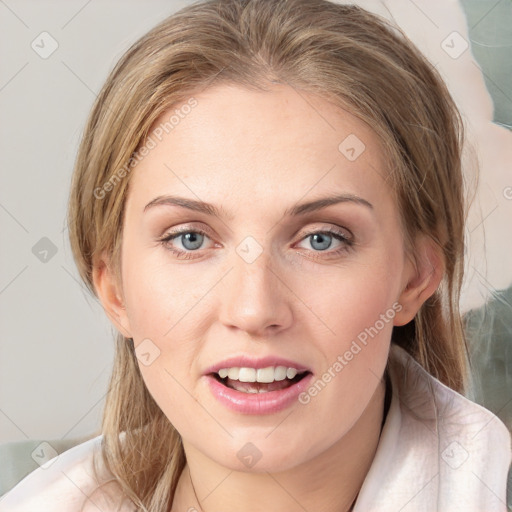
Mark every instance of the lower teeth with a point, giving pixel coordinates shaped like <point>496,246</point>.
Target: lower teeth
<point>250,389</point>
<point>258,387</point>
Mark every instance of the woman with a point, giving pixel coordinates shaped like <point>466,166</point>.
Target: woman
<point>268,202</point>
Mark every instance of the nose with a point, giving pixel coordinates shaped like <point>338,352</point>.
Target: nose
<point>255,298</point>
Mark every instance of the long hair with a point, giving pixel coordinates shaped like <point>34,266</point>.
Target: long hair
<point>350,57</point>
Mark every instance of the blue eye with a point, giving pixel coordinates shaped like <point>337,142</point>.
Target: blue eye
<point>321,241</point>
<point>191,241</point>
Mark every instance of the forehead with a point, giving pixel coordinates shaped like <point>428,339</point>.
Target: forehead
<point>239,143</point>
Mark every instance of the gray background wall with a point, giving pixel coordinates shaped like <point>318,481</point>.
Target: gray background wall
<point>55,341</point>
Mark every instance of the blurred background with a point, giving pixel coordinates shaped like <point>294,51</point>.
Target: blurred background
<point>56,343</point>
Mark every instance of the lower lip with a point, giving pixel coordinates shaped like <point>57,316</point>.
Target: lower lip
<point>258,403</point>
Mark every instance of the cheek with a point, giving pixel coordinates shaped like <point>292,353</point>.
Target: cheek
<point>358,308</point>
<point>359,312</point>
<point>158,296</point>
<point>163,320</point>
<point>354,298</point>
<point>165,307</point>
<point>177,398</point>
<point>355,352</point>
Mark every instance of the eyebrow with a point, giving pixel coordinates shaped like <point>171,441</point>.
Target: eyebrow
<point>299,209</point>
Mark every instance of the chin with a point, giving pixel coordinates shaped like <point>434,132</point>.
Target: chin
<point>259,453</point>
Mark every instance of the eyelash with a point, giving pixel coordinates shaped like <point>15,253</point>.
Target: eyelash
<point>187,255</point>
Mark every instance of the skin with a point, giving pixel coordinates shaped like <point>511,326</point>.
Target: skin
<point>257,154</point>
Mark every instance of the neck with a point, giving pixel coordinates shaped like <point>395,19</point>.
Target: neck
<point>330,482</point>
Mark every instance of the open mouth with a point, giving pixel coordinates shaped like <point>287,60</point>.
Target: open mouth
<point>262,390</point>
<point>259,387</point>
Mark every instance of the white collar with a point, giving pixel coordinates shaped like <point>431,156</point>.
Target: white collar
<point>438,450</point>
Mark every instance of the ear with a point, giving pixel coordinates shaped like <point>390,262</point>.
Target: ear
<point>110,294</point>
<point>421,278</point>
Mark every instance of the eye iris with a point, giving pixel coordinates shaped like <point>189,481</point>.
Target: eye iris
<point>322,238</point>
<point>194,238</point>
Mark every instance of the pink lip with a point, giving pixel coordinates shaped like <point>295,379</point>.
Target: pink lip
<point>249,362</point>
<point>258,403</point>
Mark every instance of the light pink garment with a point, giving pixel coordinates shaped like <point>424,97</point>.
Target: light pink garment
<point>438,452</point>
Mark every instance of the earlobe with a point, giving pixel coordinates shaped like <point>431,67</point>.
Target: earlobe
<point>109,293</point>
<point>423,279</point>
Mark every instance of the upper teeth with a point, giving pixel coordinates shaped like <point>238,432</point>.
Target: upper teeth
<point>269,374</point>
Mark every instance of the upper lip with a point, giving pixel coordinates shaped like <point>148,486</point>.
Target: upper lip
<point>245,361</point>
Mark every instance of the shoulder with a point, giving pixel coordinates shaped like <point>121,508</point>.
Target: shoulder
<point>66,483</point>
<point>463,448</point>
<point>449,414</point>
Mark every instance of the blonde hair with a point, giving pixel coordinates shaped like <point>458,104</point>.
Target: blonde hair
<point>342,53</point>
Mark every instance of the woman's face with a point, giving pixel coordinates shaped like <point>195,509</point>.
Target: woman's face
<point>253,281</point>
